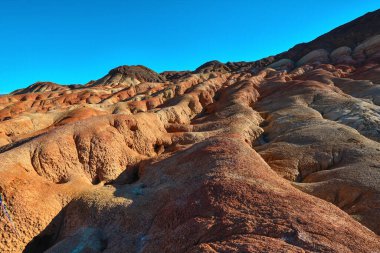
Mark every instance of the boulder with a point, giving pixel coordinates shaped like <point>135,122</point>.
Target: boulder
<point>342,55</point>
<point>283,64</point>
<point>316,56</point>
<point>369,48</point>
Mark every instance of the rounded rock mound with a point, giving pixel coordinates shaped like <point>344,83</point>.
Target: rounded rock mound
<point>212,66</point>
<point>129,76</point>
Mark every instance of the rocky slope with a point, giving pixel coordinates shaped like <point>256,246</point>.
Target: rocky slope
<point>277,155</point>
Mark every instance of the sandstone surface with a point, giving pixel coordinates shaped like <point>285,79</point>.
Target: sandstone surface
<point>276,155</point>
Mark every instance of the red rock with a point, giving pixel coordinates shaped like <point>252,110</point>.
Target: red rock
<point>235,157</point>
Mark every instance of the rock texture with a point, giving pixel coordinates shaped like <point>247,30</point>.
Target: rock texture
<point>350,34</point>
<point>41,87</point>
<point>128,76</point>
<point>277,155</point>
<point>212,66</point>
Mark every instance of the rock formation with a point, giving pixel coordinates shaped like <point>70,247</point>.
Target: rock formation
<point>277,155</point>
<point>128,76</point>
<point>212,66</point>
<point>41,87</point>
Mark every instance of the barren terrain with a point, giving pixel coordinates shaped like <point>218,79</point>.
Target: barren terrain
<point>276,155</point>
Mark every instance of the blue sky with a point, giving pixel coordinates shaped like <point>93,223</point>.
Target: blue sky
<point>74,41</point>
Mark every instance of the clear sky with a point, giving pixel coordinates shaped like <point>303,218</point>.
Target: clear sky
<point>74,41</point>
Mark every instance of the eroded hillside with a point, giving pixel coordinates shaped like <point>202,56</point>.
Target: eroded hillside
<point>277,155</point>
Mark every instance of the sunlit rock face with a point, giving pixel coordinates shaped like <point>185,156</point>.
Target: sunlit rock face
<point>277,155</point>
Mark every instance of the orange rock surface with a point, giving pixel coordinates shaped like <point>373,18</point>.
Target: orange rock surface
<point>277,155</point>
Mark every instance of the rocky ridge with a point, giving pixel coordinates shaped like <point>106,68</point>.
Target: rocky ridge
<point>276,155</point>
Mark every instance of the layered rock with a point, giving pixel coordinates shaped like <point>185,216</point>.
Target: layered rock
<point>42,87</point>
<point>277,155</point>
<point>128,76</point>
<point>350,34</point>
<point>212,66</point>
